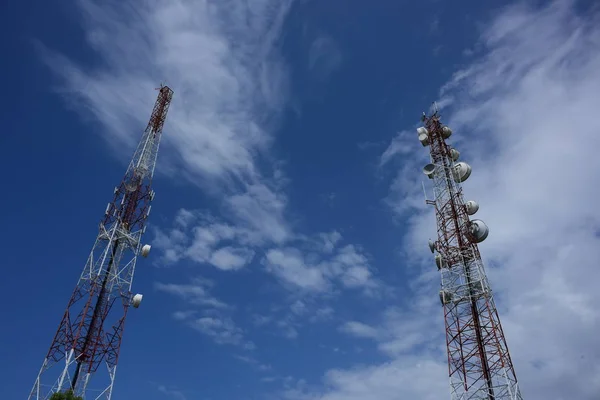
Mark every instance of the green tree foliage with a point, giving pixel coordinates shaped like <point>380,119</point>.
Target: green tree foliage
<point>68,395</point>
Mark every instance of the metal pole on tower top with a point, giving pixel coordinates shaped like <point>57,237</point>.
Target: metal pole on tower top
<point>91,329</point>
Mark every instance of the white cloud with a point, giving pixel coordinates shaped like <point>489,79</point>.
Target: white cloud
<point>359,329</point>
<point>405,378</point>
<point>205,239</point>
<point>287,320</point>
<point>298,307</point>
<point>215,55</point>
<point>222,330</point>
<point>184,217</point>
<point>399,146</point>
<point>261,211</point>
<point>197,292</point>
<point>324,57</point>
<point>353,268</point>
<point>260,320</point>
<point>523,114</point>
<point>400,331</point>
<point>288,327</point>
<point>231,258</point>
<point>330,240</point>
<point>316,265</point>
<point>288,265</point>
<point>408,377</point>
<point>322,314</point>
<point>183,315</point>
<point>348,266</point>
<point>254,362</point>
<point>221,58</point>
<point>215,320</point>
<point>172,393</point>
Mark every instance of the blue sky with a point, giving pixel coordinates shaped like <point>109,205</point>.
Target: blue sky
<point>289,233</point>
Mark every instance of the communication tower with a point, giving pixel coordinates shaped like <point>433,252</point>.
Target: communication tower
<point>479,363</point>
<point>90,332</point>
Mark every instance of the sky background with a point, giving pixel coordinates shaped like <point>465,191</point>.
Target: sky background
<point>289,231</point>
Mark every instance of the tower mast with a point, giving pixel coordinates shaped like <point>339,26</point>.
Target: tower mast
<point>479,364</point>
<point>90,332</point>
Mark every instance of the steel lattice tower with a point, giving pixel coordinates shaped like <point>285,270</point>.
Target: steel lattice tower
<point>91,328</point>
<point>479,364</point>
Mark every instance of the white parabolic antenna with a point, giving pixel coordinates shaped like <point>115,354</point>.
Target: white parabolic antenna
<point>424,139</point>
<point>454,154</point>
<point>429,170</point>
<point>472,207</point>
<point>439,261</point>
<point>422,131</point>
<point>146,250</point>
<point>137,300</point>
<point>431,246</point>
<point>462,171</point>
<point>479,230</point>
<point>446,132</point>
<point>130,186</point>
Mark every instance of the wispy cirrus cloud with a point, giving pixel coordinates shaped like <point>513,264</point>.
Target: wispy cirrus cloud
<point>172,393</point>
<point>222,329</point>
<point>399,331</point>
<point>253,362</point>
<point>324,56</point>
<point>206,313</point>
<point>287,319</point>
<point>220,58</point>
<point>521,116</point>
<point>223,60</point>
<point>196,292</point>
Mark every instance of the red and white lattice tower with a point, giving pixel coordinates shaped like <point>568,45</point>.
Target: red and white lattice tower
<point>479,364</point>
<point>90,332</point>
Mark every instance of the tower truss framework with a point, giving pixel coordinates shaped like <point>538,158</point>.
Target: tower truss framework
<point>479,364</point>
<point>87,342</point>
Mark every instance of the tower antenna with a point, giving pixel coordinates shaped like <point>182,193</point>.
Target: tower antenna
<point>479,364</point>
<point>90,332</point>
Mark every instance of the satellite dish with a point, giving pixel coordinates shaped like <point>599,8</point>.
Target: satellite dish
<point>454,154</point>
<point>136,300</point>
<point>462,171</point>
<point>472,207</point>
<point>133,183</point>
<point>422,131</point>
<point>478,230</point>
<point>130,186</point>
<point>440,262</point>
<point>424,139</point>
<point>431,246</point>
<point>446,132</point>
<point>429,170</point>
<point>146,250</point>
